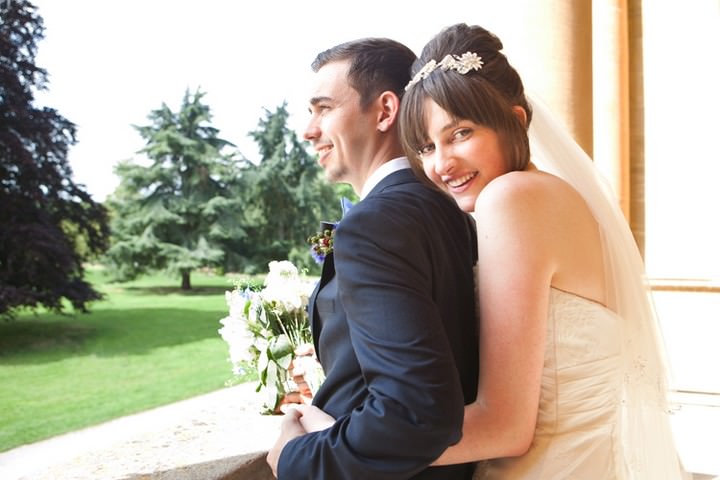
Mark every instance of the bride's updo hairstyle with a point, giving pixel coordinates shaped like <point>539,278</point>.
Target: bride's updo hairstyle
<point>483,94</point>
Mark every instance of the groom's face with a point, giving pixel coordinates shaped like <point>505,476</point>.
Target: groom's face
<point>338,128</point>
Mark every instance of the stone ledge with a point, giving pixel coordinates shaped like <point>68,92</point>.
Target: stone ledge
<point>254,469</point>
<point>243,467</point>
<point>217,436</point>
<point>684,285</point>
<point>221,436</point>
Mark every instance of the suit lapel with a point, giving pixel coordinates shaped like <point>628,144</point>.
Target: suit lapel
<point>328,269</point>
<point>328,272</point>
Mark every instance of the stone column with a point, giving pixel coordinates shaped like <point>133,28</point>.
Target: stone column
<point>636,108</point>
<point>611,122</point>
<point>552,43</point>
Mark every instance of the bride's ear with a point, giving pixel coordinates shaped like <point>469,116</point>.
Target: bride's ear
<point>521,114</point>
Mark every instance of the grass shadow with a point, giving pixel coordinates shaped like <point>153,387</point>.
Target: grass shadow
<point>31,336</point>
<point>106,332</point>
<point>166,290</point>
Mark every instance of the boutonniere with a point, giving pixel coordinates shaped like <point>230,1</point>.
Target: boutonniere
<point>321,244</point>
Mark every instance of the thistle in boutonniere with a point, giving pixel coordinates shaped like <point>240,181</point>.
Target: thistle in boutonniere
<point>321,244</point>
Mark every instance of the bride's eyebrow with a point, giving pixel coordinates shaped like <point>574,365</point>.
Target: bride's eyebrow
<point>450,125</point>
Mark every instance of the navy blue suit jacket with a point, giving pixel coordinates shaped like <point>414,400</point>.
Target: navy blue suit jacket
<point>394,326</point>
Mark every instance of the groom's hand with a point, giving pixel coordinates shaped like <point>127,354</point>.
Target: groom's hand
<point>290,428</point>
<point>303,370</point>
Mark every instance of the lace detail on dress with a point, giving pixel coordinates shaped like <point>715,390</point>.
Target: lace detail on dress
<point>638,376</point>
<point>636,373</point>
<point>574,332</point>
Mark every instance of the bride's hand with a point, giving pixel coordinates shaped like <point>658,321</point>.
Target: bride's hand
<point>313,419</point>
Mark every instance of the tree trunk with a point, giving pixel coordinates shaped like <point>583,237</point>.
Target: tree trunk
<point>185,281</point>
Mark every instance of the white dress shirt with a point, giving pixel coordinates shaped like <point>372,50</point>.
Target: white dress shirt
<point>385,169</point>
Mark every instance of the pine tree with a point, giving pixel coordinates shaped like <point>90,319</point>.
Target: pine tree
<point>175,214</point>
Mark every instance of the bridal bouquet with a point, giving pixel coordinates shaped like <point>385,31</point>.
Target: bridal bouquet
<point>265,328</point>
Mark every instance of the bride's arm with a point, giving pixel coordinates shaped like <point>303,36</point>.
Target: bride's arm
<point>514,274</point>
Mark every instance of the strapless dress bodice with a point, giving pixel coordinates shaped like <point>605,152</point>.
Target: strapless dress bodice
<point>575,435</point>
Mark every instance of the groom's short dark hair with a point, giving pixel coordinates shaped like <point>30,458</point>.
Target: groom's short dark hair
<point>376,65</point>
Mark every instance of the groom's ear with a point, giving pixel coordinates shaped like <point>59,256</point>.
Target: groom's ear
<point>521,114</point>
<point>389,105</point>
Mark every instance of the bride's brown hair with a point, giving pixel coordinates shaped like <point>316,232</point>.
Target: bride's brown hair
<point>485,96</point>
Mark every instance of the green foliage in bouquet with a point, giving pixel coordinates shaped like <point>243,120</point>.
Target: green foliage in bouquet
<point>265,327</point>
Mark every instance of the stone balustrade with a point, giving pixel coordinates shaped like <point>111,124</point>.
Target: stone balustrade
<point>217,436</point>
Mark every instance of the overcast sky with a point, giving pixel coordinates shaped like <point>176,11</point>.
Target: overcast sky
<point>111,63</point>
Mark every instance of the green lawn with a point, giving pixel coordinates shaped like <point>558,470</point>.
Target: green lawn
<point>146,344</point>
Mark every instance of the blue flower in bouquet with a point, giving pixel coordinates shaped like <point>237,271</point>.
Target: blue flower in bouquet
<point>265,327</point>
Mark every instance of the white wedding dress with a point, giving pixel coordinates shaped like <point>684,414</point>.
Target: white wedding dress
<point>603,409</point>
<point>575,435</point>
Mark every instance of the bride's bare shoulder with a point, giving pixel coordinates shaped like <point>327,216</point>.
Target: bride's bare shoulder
<point>528,188</point>
<point>534,205</point>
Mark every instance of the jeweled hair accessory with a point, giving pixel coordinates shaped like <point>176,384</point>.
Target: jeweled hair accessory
<point>461,63</point>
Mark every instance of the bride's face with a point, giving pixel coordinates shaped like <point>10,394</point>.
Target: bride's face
<point>460,156</point>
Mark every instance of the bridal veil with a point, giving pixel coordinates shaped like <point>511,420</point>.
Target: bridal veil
<point>647,446</point>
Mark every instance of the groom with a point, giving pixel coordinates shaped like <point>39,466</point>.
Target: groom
<point>393,316</point>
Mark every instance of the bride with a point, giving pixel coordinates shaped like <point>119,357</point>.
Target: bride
<point>572,374</point>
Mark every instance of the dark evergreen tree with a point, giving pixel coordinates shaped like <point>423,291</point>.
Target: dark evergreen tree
<point>42,211</point>
<point>176,214</point>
